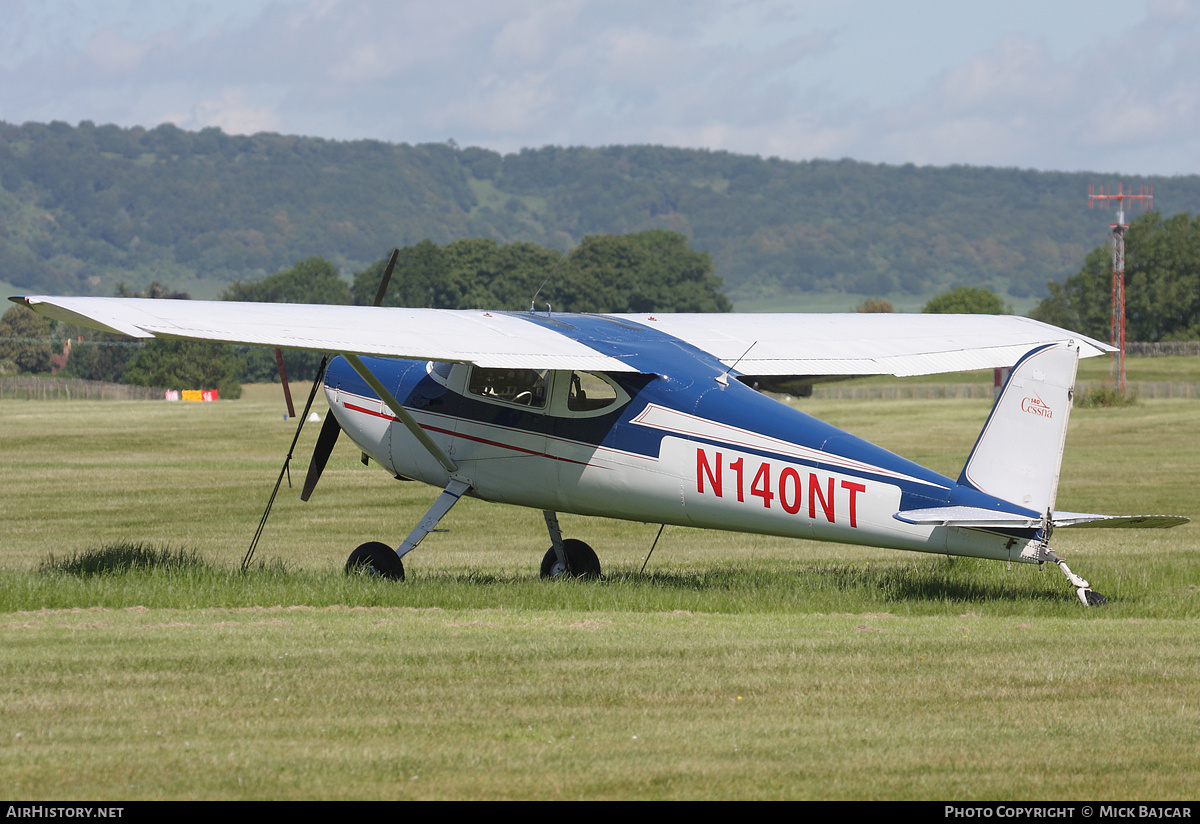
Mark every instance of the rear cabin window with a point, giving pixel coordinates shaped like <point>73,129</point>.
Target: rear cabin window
<point>589,393</point>
<point>522,387</point>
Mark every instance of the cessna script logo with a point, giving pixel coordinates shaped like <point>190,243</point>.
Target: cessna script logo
<point>1036,406</point>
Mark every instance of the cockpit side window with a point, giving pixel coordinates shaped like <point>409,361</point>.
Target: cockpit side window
<point>586,395</point>
<point>522,387</point>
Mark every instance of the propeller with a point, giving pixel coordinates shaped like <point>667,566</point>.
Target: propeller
<point>387,277</point>
<point>330,429</point>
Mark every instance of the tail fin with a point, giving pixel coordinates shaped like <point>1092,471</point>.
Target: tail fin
<point>1019,452</point>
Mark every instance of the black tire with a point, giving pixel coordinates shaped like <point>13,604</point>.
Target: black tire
<point>375,558</point>
<point>581,561</point>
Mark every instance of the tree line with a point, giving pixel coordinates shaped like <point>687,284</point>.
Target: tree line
<point>648,271</point>
<point>83,207</point>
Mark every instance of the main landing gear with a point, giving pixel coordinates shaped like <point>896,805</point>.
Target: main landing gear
<point>380,559</point>
<point>579,561</point>
<point>568,558</point>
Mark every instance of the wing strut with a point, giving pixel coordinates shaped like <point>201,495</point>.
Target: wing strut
<point>401,413</point>
<point>287,392</point>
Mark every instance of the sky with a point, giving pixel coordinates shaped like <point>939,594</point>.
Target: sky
<point>1101,86</point>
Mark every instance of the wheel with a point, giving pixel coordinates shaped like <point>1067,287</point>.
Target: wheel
<point>581,561</point>
<point>375,558</point>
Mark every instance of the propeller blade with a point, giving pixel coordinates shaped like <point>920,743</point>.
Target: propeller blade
<point>387,277</point>
<point>325,441</point>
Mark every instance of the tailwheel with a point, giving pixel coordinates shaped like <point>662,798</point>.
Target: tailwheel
<point>375,558</point>
<point>581,561</point>
<point>1087,596</point>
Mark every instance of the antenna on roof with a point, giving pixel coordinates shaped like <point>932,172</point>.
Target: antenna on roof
<point>544,282</point>
<point>723,378</point>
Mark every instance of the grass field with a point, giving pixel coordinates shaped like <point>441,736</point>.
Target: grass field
<point>734,667</point>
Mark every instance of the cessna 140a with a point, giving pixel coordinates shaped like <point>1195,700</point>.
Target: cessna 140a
<point>653,418</point>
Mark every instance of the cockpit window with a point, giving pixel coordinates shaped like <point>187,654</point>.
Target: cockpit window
<point>588,393</point>
<point>524,387</point>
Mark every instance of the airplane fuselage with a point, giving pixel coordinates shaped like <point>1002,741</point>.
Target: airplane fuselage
<point>690,447</point>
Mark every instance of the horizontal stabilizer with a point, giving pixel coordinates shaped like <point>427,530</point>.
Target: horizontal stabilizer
<point>971,517</point>
<point>1081,519</point>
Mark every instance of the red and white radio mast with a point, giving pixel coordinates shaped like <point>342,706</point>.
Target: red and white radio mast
<point>1104,196</point>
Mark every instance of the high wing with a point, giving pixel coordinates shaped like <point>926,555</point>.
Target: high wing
<point>489,339</point>
<point>758,344</point>
<point>864,344</point>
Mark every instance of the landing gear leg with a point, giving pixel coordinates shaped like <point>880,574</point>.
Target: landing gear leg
<point>370,556</point>
<point>449,497</point>
<point>567,558</point>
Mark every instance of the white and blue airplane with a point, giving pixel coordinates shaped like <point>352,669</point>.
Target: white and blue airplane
<point>653,418</point>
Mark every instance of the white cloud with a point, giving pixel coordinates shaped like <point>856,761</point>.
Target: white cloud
<point>232,113</point>
<point>113,54</point>
<point>533,38</point>
<point>1074,85</point>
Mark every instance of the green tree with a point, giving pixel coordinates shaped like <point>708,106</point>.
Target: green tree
<point>967,300</point>
<point>182,364</point>
<point>155,290</point>
<point>186,364</point>
<point>873,306</point>
<point>1162,281</point>
<point>1162,284</point>
<point>653,271</point>
<point>419,270</point>
<point>103,356</point>
<point>23,339</point>
<point>1083,303</point>
<point>98,356</point>
<point>313,280</point>
<point>521,269</point>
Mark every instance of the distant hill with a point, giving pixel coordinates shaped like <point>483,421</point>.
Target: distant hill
<point>83,208</point>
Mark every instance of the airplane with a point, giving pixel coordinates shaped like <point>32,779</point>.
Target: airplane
<point>655,418</point>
